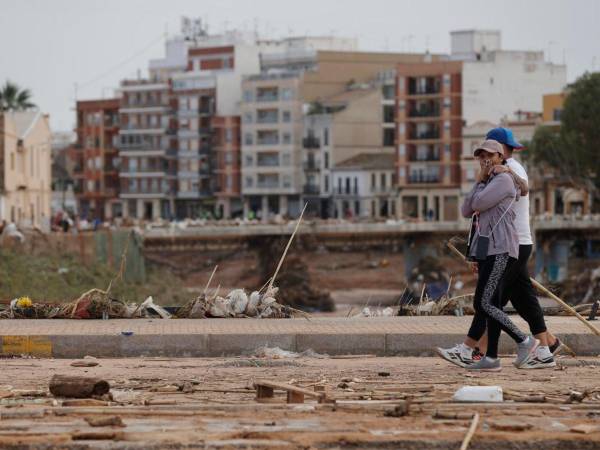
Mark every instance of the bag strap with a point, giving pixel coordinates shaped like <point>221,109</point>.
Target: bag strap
<point>500,219</point>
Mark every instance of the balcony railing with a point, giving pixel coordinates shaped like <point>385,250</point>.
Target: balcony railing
<point>267,162</point>
<point>432,134</point>
<point>267,141</point>
<point>430,155</point>
<point>267,97</point>
<point>311,189</point>
<point>424,90</point>
<point>424,112</point>
<point>416,178</point>
<point>267,119</point>
<point>312,165</point>
<point>311,142</point>
<point>267,184</point>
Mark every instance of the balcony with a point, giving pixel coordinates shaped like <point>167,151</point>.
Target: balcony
<point>424,154</point>
<point>267,118</point>
<point>311,189</point>
<point>430,134</point>
<point>267,97</point>
<point>312,165</point>
<point>423,178</point>
<point>270,140</point>
<point>267,184</point>
<point>267,161</point>
<point>424,86</point>
<point>311,142</point>
<point>425,111</point>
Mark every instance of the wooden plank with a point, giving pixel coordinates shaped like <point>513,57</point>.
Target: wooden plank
<point>288,387</point>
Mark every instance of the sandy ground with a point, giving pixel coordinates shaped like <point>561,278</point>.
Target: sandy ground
<point>211,403</point>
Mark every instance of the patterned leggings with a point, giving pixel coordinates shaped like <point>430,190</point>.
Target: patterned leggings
<point>488,302</point>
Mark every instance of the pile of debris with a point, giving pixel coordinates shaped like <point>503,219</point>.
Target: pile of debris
<point>582,288</point>
<point>97,304</point>
<point>237,304</point>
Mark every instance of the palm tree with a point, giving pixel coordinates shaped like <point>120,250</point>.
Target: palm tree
<point>13,98</point>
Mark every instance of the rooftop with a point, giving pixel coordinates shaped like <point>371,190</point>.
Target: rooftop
<point>369,161</point>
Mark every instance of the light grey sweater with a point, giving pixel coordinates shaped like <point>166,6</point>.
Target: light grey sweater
<point>491,200</point>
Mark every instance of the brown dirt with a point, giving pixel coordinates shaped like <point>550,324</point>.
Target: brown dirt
<point>216,406</point>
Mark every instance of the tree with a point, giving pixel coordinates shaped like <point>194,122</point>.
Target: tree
<point>573,150</point>
<point>13,98</point>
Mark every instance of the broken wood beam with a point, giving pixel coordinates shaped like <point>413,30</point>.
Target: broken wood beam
<point>77,386</point>
<point>295,394</point>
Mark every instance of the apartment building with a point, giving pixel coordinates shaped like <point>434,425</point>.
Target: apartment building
<point>429,125</point>
<point>96,156</point>
<point>25,168</point>
<point>339,86</point>
<point>364,186</point>
<point>481,84</point>
<point>227,151</point>
<point>148,149</point>
<point>271,114</point>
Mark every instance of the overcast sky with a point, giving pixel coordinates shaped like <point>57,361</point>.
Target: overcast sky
<point>50,45</point>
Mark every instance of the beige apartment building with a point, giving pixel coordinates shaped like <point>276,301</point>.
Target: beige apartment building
<point>280,147</point>
<point>25,169</point>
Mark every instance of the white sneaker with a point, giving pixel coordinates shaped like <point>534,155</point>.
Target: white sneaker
<point>462,355</point>
<point>541,359</point>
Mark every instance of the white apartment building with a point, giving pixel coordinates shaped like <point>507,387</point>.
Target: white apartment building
<point>271,142</point>
<point>363,186</point>
<point>498,83</point>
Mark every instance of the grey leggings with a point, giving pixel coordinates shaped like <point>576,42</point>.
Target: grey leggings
<point>487,302</point>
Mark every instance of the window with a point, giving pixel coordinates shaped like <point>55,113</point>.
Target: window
<point>248,117</point>
<point>326,183</point>
<point>373,181</point>
<point>287,116</point>
<point>325,136</point>
<point>556,115</point>
<point>287,138</point>
<point>226,63</point>
<point>326,160</point>
<point>402,150</point>
<point>132,164</point>
<point>285,159</point>
<point>383,180</point>
<point>347,185</point>
<point>248,97</point>
<point>401,105</point>
<point>286,94</point>
<point>447,102</point>
<point>402,172</point>
<point>446,124</point>
<point>388,113</point>
<point>228,182</point>
<point>355,185</point>
<point>388,91</point>
<point>339,185</point>
<point>287,181</point>
<point>447,79</point>
<point>248,161</point>
<point>228,158</point>
<point>389,137</point>
<point>249,181</point>
<point>470,174</point>
<point>98,162</point>
<point>228,135</point>
<point>248,139</point>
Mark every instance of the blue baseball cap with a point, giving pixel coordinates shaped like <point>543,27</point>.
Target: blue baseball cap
<point>504,136</point>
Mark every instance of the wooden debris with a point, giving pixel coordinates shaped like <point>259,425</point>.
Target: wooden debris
<point>110,421</point>
<point>85,402</point>
<point>576,396</point>
<point>510,425</point>
<point>400,410</point>
<point>98,436</point>
<point>585,429</point>
<point>295,394</point>
<point>470,433</point>
<point>77,387</point>
<point>448,415</point>
<point>84,363</point>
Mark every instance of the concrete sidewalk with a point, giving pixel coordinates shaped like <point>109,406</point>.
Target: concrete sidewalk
<point>385,336</point>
